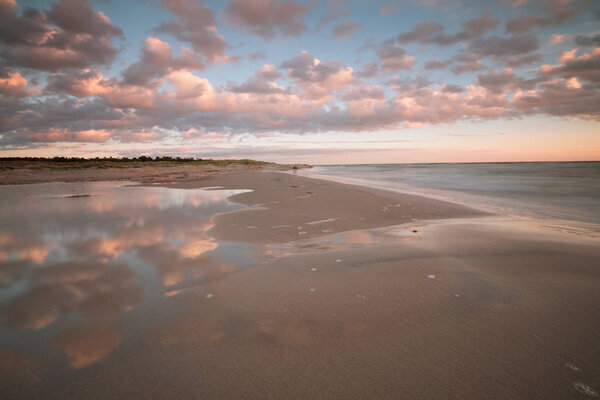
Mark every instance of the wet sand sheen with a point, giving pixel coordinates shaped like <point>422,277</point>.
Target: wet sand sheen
<point>287,207</point>
<point>463,308</point>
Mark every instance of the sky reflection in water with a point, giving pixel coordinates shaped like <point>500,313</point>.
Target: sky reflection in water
<point>70,267</point>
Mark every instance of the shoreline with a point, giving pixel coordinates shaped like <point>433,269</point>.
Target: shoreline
<point>285,207</point>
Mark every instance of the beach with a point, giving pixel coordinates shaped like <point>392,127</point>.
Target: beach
<point>293,287</point>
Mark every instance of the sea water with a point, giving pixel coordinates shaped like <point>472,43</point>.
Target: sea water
<point>568,192</point>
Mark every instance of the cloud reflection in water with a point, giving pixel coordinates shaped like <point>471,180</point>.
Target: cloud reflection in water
<point>73,266</point>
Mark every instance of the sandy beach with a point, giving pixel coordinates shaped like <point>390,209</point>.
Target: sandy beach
<point>356,293</point>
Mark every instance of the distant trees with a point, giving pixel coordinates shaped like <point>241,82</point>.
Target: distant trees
<point>111,159</point>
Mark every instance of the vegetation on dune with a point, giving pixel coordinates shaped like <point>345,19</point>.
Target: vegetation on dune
<point>70,163</point>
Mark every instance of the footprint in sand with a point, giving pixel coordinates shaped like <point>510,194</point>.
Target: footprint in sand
<point>338,260</point>
<point>313,269</point>
<point>208,296</point>
<point>431,276</point>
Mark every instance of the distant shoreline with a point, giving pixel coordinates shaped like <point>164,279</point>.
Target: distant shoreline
<point>19,171</point>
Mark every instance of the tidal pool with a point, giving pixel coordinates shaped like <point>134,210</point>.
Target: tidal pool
<point>79,261</point>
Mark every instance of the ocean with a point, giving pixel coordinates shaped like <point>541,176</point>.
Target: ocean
<point>567,193</point>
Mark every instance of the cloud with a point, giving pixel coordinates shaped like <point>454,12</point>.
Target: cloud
<point>156,61</point>
<point>262,82</point>
<point>195,23</point>
<point>466,62</point>
<point>590,40</point>
<point>512,50</point>
<point>346,29</point>
<point>498,82</point>
<point>435,63</point>
<point>420,32</point>
<point>368,70</point>
<point>432,32</point>
<point>77,16</point>
<point>561,97</point>
<point>452,88</point>
<point>363,92</point>
<point>557,38</point>
<point>257,55</point>
<point>13,84</point>
<point>267,18</point>
<point>317,78</point>
<point>363,100</point>
<point>393,57</point>
<point>585,67</point>
<point>55,39</point>
<point>526,23</point>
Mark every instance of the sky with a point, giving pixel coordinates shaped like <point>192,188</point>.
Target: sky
<point>293,81</point>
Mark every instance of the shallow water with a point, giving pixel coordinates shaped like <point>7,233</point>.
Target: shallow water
<point>565,191</point>
<point>72,267</point>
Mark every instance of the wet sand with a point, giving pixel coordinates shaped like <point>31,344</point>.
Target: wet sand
<point>444,303</point>
<point>286,207</point>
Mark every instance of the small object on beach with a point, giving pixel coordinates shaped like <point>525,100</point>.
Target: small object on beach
<point>431,276</point>
<point>312,289</point>
<point>208,296</point>
<point>585,389</point>
<point>457,295</point>
<point>294,186</point>
<point>338,260</point>
<point>571,366</point>
<point>361,296</point>
<point>302,233</point>
<point>415,231</point>
<point>313,269</point>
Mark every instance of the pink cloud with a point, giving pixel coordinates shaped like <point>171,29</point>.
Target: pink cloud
<point>346,29</point>
<point>263,82</point>
<point>560,97</point>
<point>585,67</point>
<point>59,135</point>
<point>55,39</point>
<point>393,57</point>
<point>156,61</point>
<point>13,84</point>
<point>195,23</point>
<point>318,79</point>
<point>557,38</point>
